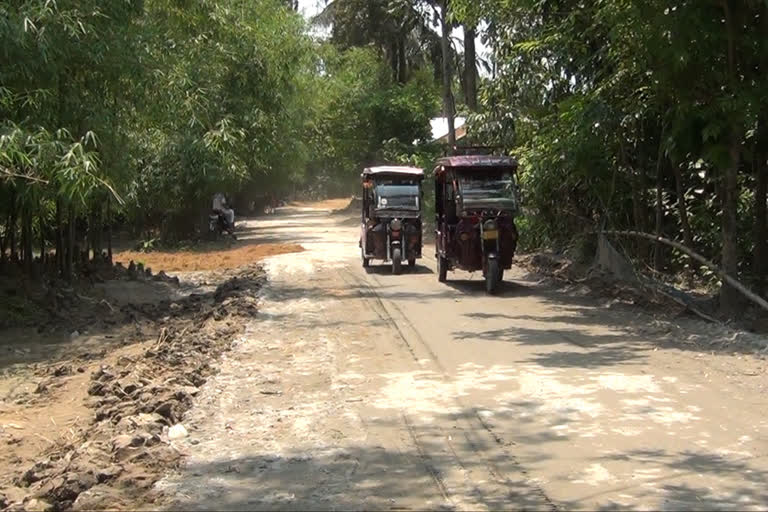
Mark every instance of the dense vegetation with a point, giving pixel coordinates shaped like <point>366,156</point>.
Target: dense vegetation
<point>628,115</point>
<point>646,115</point>
<point>138,111</point>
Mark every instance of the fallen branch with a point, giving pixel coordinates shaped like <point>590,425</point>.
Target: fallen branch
<point>696,311</point>
<point>104,301</point>
<point>701,259</point>
<point>161,337</point>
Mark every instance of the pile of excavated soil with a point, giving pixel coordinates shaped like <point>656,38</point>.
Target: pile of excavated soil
<point>56,306</point>
<point>106,424</point>
<point>191,260</point>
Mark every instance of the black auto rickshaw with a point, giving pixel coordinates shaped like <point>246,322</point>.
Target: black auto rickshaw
<point>476,202</point>
<point>391,217</point>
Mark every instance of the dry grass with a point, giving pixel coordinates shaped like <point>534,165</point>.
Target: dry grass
<point>191,260</point>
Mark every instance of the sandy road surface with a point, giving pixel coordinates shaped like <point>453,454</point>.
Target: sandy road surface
<point>356,389</point>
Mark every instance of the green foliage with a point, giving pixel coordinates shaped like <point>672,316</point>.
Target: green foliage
<point>147,108</point>
<point>603,100</point>
<point>360,114</point>
<point>225,105</point>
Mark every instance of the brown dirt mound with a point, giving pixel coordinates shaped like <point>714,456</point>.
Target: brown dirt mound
<point>185,261</point>
<point>126,406</point>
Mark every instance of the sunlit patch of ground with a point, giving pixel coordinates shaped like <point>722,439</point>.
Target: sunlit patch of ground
<point>328,204</point>
<point>190,260</point>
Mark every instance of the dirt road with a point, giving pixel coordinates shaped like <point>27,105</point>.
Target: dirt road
<point>355,389</point>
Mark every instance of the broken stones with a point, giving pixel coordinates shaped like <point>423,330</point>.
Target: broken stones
<point>108,473</point>
<point>37,505</point>
<point>166,410</point>
<point>124,446</point>
<point>126,441</point>
<point>63,370</point>
<point>128,386</point>
<point>97,497</point>
<point>36,473</point>
<point>128,446</point>
<point>177,432</point>
<point>103,374</point>
<point>65,489</point>
<point>96,389</point>
<point>139,402</point>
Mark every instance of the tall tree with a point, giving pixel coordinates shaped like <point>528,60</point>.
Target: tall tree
<point>449,108</point>
<point>470,67</point>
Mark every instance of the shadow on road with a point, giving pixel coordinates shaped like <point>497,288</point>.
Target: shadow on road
<point>353,477</point>
<point>680,496</point>
<point>507,289</point>
<point>386,269</point>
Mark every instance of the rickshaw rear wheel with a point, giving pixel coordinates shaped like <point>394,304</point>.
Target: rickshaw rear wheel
<point>366,261</point>
<point>492,276</point>
<point>442,269</point>
<point>397,262</point>
<point>412,262</point>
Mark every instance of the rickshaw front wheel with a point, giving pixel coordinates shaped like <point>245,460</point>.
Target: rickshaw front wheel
<point>492,276</point>
<point>442,269</point>
<point>397,262</point>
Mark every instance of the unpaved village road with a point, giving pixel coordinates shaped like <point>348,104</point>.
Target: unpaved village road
<point>363,390</point>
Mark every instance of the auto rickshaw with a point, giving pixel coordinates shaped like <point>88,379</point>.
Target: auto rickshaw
<point>476,202</point>
<point>391,217</point>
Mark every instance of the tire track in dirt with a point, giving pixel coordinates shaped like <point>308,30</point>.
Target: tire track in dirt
<point>410,338</point>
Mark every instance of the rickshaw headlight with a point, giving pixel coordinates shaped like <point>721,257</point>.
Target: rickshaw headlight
<point>489,225</point>
<point>396,225</point>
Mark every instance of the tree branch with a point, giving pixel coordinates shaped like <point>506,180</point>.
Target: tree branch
<point>4,171</point>
<point>701,259</point>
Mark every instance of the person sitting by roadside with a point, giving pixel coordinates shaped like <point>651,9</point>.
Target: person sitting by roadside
<point>220,206</point>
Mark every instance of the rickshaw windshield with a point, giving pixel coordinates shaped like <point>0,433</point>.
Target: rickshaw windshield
<point>481,189</point>
<point>397,196</point>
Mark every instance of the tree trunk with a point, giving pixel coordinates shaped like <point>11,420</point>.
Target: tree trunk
<point>682,211</point>
<point>60,237</point>
<point>682,208</point>
<point>98,247</point>
<point>109,229</point>
<point>730,183</point>
<point>4,239</point>
<point>470,67</point>
<point>26,239</point>
<point>392,57</point>
<point>643,246</point>
<point>70,251</point>
<point>12,230</point>
<point>730,258</point>
<point>448,105</point>
<point>41,226</point>
<point>760,255</point>
<point>658,256</point>
<point>637,216</point>
<point>402,62</point>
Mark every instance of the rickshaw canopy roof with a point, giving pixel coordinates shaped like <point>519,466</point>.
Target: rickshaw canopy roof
<point>476,162</point>
<point>393,170</point>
